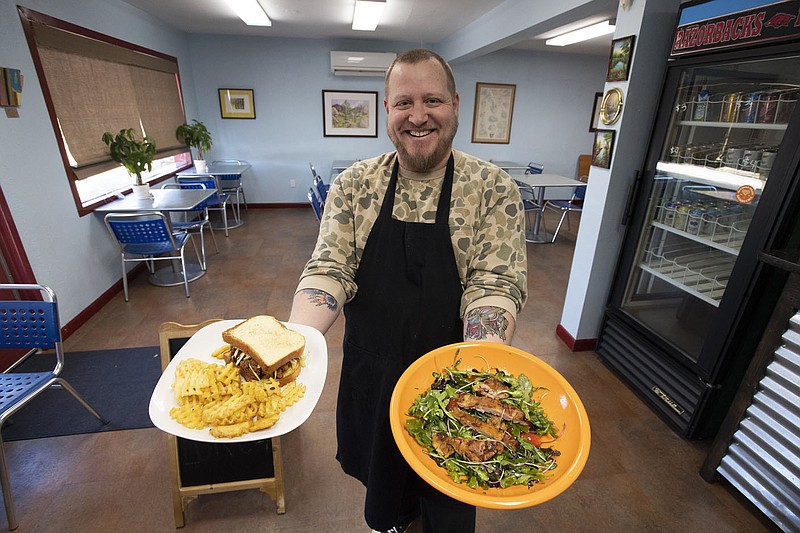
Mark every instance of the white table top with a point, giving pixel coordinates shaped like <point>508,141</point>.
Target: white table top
<point>508,166</point>
<point>218,169</point>
<point>163,200</point>
<point>548,180</point>
<point>342,164</point>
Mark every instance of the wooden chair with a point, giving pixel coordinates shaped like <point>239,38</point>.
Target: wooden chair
<point>208,468</point>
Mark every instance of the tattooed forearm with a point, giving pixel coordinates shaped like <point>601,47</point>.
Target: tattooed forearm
<point>484,321</point>
<point>321,299</point>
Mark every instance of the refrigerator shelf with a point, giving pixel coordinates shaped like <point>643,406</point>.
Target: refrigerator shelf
<point>733,125</point>
<point>724,178</point>
<point>725,237</point>
<point>691,267</point>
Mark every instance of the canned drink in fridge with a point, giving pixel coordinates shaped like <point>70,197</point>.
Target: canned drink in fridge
<point>786,105</point>
<point>695,218</point>
<point>730,107</point>
<point>748,107</point>
<point>708,222</point>
<point>767,107</point>
<point>681,217</point>
<point>668,218</point>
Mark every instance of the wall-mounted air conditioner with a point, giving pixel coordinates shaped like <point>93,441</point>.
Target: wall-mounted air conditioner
<point>361,63</point>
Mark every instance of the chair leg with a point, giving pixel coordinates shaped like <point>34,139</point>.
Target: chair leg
<point>5,481</point>
<point>213,237</point>
<point>65,385</point>
<point>555,234</point>
<point>124,278</point>
<point>183,268</point>
<point>225,219</point>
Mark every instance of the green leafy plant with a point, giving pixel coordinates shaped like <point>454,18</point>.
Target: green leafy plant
<point>135,155</point>
<point>195,135</point>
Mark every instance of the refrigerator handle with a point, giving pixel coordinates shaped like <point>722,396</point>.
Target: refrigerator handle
<point>633,191</point>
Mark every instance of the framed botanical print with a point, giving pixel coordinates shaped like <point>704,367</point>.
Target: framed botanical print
<point>494,107</point>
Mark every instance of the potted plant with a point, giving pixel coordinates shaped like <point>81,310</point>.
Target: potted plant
<point>135,155</point>
<point>197,136</point>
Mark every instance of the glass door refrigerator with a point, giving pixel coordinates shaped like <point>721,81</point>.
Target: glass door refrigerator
<point>691,296</point>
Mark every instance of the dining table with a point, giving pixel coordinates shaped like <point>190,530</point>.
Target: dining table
<point>340,165</point>
<point>164,201</point>
<point>222,171</point>
<point>510,166</point>
<point>541,182</point>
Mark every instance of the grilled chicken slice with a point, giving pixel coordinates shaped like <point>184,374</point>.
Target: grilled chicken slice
<point>491,406</point>
<point>471,449</point>
<point>481,426</point>
<point>492,388</point>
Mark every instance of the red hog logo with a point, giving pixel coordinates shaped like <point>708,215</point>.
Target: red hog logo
<point>779,20</point>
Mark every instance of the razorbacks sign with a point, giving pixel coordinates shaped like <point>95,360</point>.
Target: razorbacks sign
<point>775,21</point>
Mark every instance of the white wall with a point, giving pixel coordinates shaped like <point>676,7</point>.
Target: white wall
<point>74,254</point>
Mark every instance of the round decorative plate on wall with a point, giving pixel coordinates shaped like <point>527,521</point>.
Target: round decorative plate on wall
<point>611,106</point>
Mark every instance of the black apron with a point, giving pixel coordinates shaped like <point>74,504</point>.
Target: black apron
<point>407,304</point>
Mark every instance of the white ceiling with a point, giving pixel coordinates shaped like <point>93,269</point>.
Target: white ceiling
<point>426,22</point>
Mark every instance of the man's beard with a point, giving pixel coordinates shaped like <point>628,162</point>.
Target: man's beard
<point>425,163</point>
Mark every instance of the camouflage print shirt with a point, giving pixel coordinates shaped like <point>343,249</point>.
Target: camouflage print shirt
<point>486,228</point>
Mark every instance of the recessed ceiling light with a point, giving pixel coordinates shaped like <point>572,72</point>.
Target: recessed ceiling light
<point>583,34</point>
<point>250,11</point>
<point>367,14</point>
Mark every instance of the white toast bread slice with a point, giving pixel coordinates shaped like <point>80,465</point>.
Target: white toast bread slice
<point>267,341</point>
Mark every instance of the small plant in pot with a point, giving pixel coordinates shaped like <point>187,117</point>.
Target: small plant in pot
<point>135,155</point>
<point>197,136</point>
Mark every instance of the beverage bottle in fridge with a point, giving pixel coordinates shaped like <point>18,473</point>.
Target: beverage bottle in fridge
<point>701,105</point>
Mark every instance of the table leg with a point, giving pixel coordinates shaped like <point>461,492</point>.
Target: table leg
<point>537,236</point>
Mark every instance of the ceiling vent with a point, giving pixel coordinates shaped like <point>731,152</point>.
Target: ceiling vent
<point>361,63</point>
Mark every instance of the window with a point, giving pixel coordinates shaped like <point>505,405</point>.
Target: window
<point>93,83</point>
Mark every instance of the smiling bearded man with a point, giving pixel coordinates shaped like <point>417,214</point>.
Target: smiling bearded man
<point>422,112</point>
<point>420,247</point>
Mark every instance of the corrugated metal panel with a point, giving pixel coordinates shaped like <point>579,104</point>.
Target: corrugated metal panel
<point>763,459</point>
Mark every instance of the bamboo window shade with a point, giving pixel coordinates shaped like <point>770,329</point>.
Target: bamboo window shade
<point>97,86</point>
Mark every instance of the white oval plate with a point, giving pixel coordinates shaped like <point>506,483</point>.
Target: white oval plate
<point>201,345</point>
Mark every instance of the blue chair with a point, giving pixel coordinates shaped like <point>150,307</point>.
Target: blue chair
<point>232,184</point>
<point>194,221</point>
<point>30,325</point>
<point>146,237</point>
<point>217,202</point>
<point>316,205</point>
<point>565,207</point>
<point>322,190</point>
<point>531,207</point>
<point>534,168</point>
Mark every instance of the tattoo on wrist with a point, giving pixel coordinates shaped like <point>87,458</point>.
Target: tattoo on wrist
<point>484,321</point>
<point>321,299</point>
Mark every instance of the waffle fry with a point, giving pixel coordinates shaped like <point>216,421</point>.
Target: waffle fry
<point>214,395</point>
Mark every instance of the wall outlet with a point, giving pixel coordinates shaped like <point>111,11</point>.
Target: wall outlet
<point>292,184</point>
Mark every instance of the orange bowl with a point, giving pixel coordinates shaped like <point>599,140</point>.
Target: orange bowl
<point>560,402</point>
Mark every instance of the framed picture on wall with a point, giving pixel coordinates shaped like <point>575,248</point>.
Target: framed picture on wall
<point>237,103</point>
<point>494,107</point>
<point>602,148</point>
<point>594,122</point>
<point>350,113</point>
<point>620,60</point>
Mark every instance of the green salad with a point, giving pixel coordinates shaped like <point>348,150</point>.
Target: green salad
<point>484,428</point>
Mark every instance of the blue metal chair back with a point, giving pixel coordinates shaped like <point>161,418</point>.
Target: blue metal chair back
<point>208,182</point>
<point>322,189</point>
<point>142,234</point>
<point>29,324</point>
<point>315,203</point>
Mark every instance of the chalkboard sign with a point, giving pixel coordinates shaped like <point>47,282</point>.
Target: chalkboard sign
<point>206,467</point>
